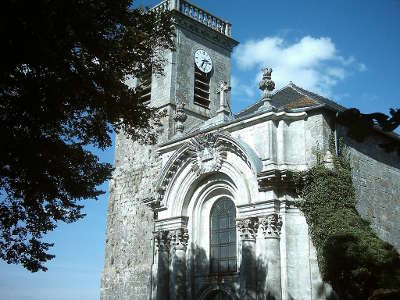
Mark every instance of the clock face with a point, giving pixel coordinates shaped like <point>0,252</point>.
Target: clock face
<point>203,61</point>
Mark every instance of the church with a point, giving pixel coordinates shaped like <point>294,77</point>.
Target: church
<point>207,212</point>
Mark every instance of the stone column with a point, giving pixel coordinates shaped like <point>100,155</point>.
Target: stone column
<point>248,266</point>
<point>160,289</point>
<point>177,283</point>
<point>270,227</point>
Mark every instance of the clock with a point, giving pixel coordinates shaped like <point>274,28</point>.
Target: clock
<point>203,61</point>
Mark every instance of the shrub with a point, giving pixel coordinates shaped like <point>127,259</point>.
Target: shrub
<point>350,255</point>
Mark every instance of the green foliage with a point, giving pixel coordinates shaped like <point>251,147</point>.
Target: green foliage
<point>350,256</point>
<point>62,90</point>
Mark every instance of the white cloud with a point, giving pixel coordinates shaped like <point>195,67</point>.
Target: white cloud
<point>312,63</point>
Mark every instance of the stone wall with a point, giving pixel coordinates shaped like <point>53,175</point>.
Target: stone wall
<point>376,178</point>
<point>130,222</point>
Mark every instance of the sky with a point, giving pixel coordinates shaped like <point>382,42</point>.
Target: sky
<point>345,50</point>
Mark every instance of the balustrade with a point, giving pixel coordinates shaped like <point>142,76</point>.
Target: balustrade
<point>205,18</point>
<point>161,7</point>
<point>196,13</point>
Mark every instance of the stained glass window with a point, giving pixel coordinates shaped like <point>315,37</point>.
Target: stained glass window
<point>223,256</point>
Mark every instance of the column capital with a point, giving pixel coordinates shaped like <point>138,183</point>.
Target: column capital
<point>248,228</point>
<point>271,225</point>
<point>179,238</point>
<point>162,240</point>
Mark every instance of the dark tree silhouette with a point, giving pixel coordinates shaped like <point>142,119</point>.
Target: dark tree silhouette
<point>360,125</point>
<point>62,75</point>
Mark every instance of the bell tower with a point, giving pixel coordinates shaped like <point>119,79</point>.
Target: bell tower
<point>192,90</point>
<point>202,61</point>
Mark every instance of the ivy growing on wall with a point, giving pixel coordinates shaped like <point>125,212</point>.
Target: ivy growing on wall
<point>351,257</point>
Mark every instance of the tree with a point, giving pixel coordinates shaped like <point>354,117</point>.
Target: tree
<point>62,88</point>
<point>360,125</point>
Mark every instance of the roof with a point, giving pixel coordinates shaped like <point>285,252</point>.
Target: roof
<point>293,97</point>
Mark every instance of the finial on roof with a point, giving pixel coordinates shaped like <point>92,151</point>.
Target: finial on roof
<point>267,86</point>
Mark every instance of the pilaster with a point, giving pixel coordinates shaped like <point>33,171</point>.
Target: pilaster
<point>248,276</point>
<point>178,244</point>
<point>270,265</point>
<point>162,241</point>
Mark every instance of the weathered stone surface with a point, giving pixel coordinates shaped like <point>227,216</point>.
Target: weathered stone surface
<point>130,222</point>
<point>376,178</point>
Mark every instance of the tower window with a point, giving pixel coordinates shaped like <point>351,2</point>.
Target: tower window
<point>223,257</point>
<point>201,87</point>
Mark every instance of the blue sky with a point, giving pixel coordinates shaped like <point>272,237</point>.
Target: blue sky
<point>345,50</point>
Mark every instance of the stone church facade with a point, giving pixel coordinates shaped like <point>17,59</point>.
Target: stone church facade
<point>206,213</point>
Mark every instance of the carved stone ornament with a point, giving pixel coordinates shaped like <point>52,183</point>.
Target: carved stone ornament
<point>180,117</point>
<point>203,153</point>
<point>162,240</point>
<point>271,225</point>
<point>207,154</point>
<point>247,228</point>
<point>179,238</point>
<point>267,86</point>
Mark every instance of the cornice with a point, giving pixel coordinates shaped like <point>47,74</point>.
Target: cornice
<point>272,178</point>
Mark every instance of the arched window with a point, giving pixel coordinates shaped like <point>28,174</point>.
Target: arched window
<point>223,256</point>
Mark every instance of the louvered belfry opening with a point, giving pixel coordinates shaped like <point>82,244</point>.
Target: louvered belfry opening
<point>201,88</point>
<point>144,89</point>
<point>223,257</point>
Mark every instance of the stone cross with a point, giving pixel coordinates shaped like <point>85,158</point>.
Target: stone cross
<point>222,90</point>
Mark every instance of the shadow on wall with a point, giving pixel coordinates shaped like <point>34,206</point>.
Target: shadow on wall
<point>202,284</point>
<point>205,284</point>
<point>250,284</point>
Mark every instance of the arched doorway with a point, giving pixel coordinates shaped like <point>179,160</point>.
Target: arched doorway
<point>218,295</point>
